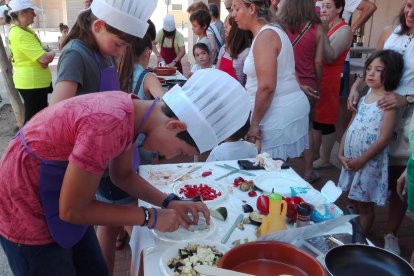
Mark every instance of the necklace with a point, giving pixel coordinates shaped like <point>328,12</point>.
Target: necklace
<point>410,37</point>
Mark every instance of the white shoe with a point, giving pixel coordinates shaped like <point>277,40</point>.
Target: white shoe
<point>391,244</point>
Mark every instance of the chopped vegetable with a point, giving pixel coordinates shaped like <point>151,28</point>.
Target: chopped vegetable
<point>247,208</point>
<point>252,194</point>
<point>219,213</point>
<point>196,254</point>
<point>246,185</point>
<point>256,218</point>
<point>237,181</point>
<point>206,173</point>
<point>203,190</point>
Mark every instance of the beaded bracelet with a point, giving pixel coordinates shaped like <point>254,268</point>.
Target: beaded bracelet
<point>147,216</point>
<point>155,219</point>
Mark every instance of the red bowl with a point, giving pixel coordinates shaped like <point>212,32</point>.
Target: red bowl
<point>271,258</point>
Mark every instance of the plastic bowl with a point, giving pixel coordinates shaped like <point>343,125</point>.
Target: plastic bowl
<point>271,258</point>
<point>165,71</point>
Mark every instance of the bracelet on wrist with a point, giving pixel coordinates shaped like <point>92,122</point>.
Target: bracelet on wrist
<point>146,216</point>
<point>168,199</point>
<point>155,213</point>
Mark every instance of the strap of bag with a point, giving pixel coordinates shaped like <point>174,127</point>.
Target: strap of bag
<point>307,27</point>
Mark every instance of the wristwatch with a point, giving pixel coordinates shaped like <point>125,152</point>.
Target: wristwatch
<point>410,99</point>
<point>168,199</point>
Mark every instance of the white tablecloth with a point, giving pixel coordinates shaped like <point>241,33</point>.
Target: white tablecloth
<point>176,76</point>
<point>161,176</point>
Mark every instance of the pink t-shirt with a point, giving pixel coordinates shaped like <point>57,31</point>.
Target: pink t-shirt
<point>88,131</point>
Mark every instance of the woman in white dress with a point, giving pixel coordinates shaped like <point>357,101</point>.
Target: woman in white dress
<point>279,123</point>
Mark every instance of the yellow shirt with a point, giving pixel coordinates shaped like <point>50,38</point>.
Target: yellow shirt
<point>178,41</point>
<point>25,49</point>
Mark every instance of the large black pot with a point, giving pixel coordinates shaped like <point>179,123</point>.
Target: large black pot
<point>364,260</point>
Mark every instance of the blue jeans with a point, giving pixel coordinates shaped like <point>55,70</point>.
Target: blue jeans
<point>85,258</point>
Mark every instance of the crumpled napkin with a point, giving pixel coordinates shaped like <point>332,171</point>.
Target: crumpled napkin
<point>265,160</point>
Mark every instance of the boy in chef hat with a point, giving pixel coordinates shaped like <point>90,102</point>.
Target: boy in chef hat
<point>92,132</point>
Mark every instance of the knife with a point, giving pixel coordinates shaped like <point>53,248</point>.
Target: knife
<point>228,167</point>
<point>227,174</point>
<point>238,220</point>
<point>215,271</point>
<point>188,172</point>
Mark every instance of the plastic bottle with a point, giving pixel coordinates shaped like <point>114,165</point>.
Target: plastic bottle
<point>275,220</point>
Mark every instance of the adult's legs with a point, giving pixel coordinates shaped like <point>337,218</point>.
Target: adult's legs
<point>324,139</point>
<point>34,101</point>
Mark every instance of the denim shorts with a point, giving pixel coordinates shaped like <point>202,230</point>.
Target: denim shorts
<point>108,192</point>
<point>83,259</point>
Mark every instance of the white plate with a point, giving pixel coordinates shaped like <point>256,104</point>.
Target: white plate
<point>172,252</point>
<point>183,234</point>
<point>279,181</point>
<point>213,184</point>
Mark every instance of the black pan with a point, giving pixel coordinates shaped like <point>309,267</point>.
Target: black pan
<point>364,260</point>
<point>172,83</point>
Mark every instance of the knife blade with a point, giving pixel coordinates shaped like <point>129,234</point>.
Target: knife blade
<point>227,174</point>
<point>188,172</point>
<point>215,271</point>
<point>238,220</point>
<point>228,167</point>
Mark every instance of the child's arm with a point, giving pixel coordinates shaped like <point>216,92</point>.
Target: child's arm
<point>341,158</point>
<point>387,129</point>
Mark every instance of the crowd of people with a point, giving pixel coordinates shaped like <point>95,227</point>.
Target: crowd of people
<point>273,71</point>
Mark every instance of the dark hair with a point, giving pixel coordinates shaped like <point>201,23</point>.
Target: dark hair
<point>202,17</point>
<point>401,19</point>
<point>202,46</point>
<point>295,13</point>
<point>151,31</point>
<point>126,64</point>
<point>241,133</point>
<point>340,4</point>
<point>82,30</point>
<point>237,40</point>
<point>63,27</point>
<point>184,135</point>
<point>199,5</point>
<point>213,10</point>
<point>168,34</point>
<point>393,67</point>
<point>264,12</point>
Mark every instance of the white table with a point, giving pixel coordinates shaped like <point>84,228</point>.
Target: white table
<point>143,239</point>
<point>176,76</point>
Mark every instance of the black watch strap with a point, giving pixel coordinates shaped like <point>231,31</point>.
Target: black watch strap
<point>168,199</point>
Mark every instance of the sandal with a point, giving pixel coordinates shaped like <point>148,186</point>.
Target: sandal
<point>121,240</point>
<point>312,178</point>
<point>318,164</point>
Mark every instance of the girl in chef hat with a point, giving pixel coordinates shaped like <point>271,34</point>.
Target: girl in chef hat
<point>52,168</point>
<point>87,64</point>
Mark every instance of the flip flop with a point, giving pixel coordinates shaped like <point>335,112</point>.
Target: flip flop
<point>319,165</point>
<point>312,178</point>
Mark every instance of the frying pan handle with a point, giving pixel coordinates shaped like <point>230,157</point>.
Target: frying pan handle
<point>357,233</point>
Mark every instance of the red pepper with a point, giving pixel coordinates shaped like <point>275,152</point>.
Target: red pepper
<point>237,181</point>
<point>206,173</point>
<point>252,193</point>
<point>262,204</point>
<point>203,190</point>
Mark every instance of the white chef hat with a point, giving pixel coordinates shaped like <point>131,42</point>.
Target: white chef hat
<point>2,10</point>
<point>128,16</point>
<point>169,23</point>
<point>213,104</point>
<point>19,5</point>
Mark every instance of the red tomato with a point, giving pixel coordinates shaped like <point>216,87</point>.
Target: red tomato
<point>262,204</point>
<point>252,193</point>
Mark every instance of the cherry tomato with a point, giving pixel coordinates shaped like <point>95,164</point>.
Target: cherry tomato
<point>262,204</point>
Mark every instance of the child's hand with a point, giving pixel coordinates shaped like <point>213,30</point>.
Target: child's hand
<point>355,164</point>
<point>183,208</point>
<point>343,160</point>
<point>402,186</point>
<point>167,220</point>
